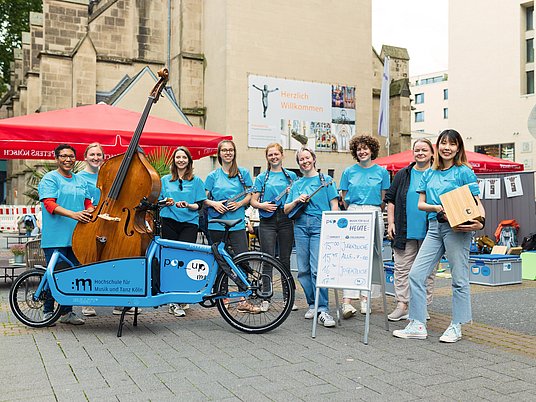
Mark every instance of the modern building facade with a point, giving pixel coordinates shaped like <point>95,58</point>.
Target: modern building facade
<point>430,106</point>
<point>491,77</point>
<point>79,52</point>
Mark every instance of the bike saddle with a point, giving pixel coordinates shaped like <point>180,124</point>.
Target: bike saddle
<point>226,222</point>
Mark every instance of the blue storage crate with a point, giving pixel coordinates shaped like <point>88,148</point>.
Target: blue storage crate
<point>389,268</point>
<point>494,269</point>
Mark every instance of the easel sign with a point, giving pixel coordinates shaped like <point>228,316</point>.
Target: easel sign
<point>346,250</point>
<point>349,241</point>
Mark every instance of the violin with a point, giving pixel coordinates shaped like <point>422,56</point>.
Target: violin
<point>118,226</point>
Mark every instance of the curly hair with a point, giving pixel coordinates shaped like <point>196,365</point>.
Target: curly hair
<point>372,143</point>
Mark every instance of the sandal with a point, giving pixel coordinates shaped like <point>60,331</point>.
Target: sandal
<point>247,307</point>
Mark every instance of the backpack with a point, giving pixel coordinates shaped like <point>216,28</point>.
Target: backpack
<point>506,233</point>
<point>508,237</point>
<point>529,242</point>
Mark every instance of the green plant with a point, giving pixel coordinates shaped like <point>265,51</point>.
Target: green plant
<point>160,159</point>
<point>18,249</point>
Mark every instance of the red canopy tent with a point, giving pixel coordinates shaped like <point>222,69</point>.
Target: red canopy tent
<point>481,163</point>
<point>35,136</point>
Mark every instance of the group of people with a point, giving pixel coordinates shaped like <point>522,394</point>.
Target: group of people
<point>419,238</point>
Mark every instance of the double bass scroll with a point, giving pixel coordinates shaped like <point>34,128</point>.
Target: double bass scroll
<point>118,228</point>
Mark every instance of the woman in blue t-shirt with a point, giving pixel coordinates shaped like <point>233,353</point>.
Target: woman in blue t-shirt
<point>94,158</point>
<point>223,184</point>
<point>185,194</point>
<point>363,188</point>
<point>307,228</point>
<point>450,170</point>
<point>406,224</point>
<point>276,230</point>
<point>271,188</point>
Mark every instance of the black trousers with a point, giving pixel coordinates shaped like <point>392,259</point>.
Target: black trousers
<point>237,239</point>
<point>277,236</point>
<point>181,231</point>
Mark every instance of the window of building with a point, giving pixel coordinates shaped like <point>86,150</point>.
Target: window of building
<point>503,151</point>
<point>530,82</point>
<point>530,50</point>
<point>446,94</point>
<point>529,13</point>
<point>419,117</point>
<point>331,172</point>
<point>256,171</point>
<point>445,112</point>
<point>419,98</point>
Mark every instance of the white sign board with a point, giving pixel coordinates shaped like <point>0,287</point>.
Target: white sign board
<point>346,250</point>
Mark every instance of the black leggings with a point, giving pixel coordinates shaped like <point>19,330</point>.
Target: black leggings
<point>237,239</point>
<point>181,231</point>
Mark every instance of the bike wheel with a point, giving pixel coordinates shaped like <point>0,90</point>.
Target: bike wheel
<point>28,310</point>
<point>270,282</point>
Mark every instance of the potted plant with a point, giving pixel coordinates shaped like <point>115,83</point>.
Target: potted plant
<point>18,251</point>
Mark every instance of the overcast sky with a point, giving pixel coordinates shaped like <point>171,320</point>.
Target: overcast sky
<point>421,26</point>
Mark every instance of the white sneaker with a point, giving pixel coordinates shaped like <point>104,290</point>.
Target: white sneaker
<point>71,318</point>
<point>185,306</point>
<point>294,307</point>
<point>414,330</point>
<point>265,306</point>
<point>310,314</point>
<point>325,319</point>
<point>179,312</point>
<point>89,311</point>
<point>452,334</point>
<point>363,306</point>
<point>348,310</point>
<point>171,308</point>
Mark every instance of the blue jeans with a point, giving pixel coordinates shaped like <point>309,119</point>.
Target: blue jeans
<point>440,238</point>
<point>307,238</point>
<point>69,254</point>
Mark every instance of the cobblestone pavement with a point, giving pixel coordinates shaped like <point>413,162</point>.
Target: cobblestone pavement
<point>200,357</point>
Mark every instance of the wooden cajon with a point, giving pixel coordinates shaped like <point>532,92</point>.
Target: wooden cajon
<point>460,206</point>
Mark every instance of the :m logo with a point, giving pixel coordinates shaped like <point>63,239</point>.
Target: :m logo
<point>81,284</point>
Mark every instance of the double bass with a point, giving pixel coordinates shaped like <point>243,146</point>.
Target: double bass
<point>118,228</point>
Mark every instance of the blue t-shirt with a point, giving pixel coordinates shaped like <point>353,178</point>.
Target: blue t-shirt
<point>277,182</point>
<point>416,219</point>
<point>364,185</point>
<point>91,179</point>
<point>437,182</point>
<point>70,193</point>
<point>192,191</point>
<point>320,201</point>
<point>221,187</point>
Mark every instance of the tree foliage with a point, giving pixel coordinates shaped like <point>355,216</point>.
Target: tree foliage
<point>14,19</point>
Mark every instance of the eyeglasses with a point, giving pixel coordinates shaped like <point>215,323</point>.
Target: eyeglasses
<point>227,151</point>
<point>64,157</point>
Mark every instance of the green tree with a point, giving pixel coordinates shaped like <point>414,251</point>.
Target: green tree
<point>14,19</point>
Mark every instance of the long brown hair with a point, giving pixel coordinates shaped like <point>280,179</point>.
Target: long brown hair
<point>233,170</point>
<point>459,159</point>
<point>272,145</point>
<point>189,172</point>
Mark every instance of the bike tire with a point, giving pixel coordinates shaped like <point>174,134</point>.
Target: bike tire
<point>281,300</point>
<point>24,307</point>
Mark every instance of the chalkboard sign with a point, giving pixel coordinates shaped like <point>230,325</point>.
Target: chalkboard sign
<point>346,250</point>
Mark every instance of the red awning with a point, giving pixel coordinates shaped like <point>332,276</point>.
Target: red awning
<point>35,136</point>
<point>481,163</point>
